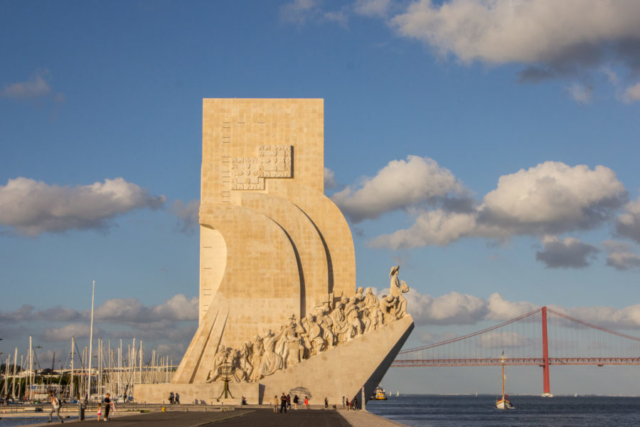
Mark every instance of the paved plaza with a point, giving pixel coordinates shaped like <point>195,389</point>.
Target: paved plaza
<point>245,417</point>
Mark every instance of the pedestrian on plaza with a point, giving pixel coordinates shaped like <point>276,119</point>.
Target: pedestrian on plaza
<point>289,402</point>
<point>171,397</point>
<point>283,403</point>
<point>276,402</point>
<point>355,403</point>
<point>343,399</point>
<point>99,411</point>
<point>295,401</point>
<point>326,403</point>
<point>177,399</point>
<point>306,402</point>
<point>55,407</point>
<point>107,406</point>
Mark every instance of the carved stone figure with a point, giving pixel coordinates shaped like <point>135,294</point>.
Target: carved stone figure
<point>220,358</point>
<point>388,307</point>
<point>398,288</point>
<point>370,300</point>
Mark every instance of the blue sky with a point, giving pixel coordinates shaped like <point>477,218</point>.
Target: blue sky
<point>94,91</point>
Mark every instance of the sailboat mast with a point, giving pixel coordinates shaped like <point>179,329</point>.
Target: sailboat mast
<point>93,294</point>
<point>502,376</point>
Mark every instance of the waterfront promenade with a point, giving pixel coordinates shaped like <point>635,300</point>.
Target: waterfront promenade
<point>244,417</point>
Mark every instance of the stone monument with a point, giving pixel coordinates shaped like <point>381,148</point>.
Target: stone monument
<point>279,309</point>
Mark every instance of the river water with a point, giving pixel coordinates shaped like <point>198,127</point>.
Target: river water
<point>480,411</point>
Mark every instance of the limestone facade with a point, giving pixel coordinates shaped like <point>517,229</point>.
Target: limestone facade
<point>278,300</point>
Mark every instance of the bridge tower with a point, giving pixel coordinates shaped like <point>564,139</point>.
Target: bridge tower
<point>545,356</point>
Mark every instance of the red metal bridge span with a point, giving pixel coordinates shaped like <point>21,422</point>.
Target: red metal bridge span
<point>543,337</point>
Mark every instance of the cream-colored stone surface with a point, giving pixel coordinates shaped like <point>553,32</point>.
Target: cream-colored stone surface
<point>263,161</point>
<point>272,247</point>
<point>202,393</point>
<point>344,370</point>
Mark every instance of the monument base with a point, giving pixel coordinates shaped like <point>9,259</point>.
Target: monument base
<point>209,394</point>
<point>334,374</point>
<point>343,370</point>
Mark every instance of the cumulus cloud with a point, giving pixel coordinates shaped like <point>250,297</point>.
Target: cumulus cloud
<point>399,185</point>
<point>551,38</point>
<point>621,255</point>
<point>378,8</point>
<point>188,214</point>
<point>298,11</point>
<point>463,309</point>
<point>36,87</point>
<point>580,93</point>
<point>329,179</point>
<point>34,207</point>
<point>132,311</point>
<point>502,339</point>
<point>566,253</point>
<point>548,199</point>
<point>64,333</point>
<point>431,228</point>
<point>632,94</point>
<point>628,223</point>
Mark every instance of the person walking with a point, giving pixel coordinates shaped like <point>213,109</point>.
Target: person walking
<point>283,403</point>
<point>289,402</point>
<point>343,398</point>
<point>99,411</point>
<point>171,397</point>
<point>177,398</point>
<point>55,407</point>
<point>355,403</point>
<point>107,406</point>
<point>276,402</point>
<point>295,401</point>
<point>326,403</point>
<point>306,402</point>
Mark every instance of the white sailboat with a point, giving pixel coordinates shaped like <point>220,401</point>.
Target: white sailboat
<point>504,403</point>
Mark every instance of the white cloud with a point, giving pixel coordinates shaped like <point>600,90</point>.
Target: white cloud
<point>566,253</point>
<point>188,214</point>
<point>372,7</point>
<point>340,17</point>
<point>628,222</point>
<point>329,179</point>
<point>464,309</point>
<point>502,310</point>
<point>34,207</point>
<point>632,93</point>
<point>298,11</point>
<point>553,38</point>
<point>64,333</point>
<point>553,197</point>
<point>399,185</point>
<point>132,311</point>
<point>37,87</point>
<point>580,93</point>
<point>550,198</point>
<point>621,255</point>
<point>502,339</point>
<point>431,228</point>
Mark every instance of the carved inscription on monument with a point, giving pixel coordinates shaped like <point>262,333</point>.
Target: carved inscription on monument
<point>273,161</point>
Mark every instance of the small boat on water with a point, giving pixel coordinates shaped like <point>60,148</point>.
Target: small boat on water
<point>379,394</point>
<point>504,403</point>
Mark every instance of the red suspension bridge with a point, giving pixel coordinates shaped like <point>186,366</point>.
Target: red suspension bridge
<point>543,337</point>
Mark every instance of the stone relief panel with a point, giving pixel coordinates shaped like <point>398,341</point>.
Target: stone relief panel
<point>334,321</point>
<point>273,161</point>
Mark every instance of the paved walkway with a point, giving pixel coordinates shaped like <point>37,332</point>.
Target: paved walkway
<point>367,419</point>
<point>247,417</point>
